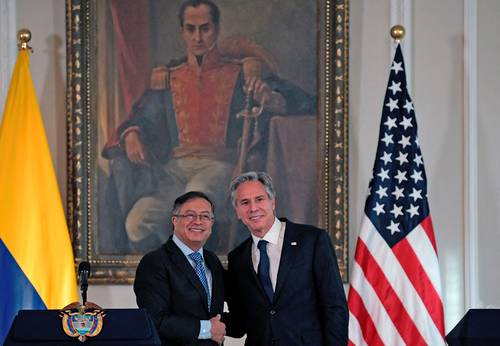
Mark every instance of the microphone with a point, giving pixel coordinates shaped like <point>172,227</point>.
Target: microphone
<point>83,277</point>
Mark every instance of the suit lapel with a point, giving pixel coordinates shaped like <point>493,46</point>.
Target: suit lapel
<point>185,267</point>
<point>217,279</point>
<point>289,253</point>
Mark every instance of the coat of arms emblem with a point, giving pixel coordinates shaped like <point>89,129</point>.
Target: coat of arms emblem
<point>82,321</point>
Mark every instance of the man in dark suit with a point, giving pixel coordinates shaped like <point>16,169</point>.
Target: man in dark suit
<point>181,284</point>
<point>284,285</point>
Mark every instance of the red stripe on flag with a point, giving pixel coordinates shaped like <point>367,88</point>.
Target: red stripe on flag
<point>429,230</point>
<point>389,298</point>
<point>419,279</point>
<point>358,309</point>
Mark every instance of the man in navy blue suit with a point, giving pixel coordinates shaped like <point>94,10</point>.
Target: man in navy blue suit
<point>283,282</point>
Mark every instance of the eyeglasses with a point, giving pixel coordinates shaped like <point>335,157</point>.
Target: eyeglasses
<point>190,217</point>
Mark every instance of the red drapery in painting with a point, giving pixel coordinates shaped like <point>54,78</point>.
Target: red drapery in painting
<point>132,37</point>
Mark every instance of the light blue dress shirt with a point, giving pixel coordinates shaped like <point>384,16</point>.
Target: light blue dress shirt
<point>205,325</point>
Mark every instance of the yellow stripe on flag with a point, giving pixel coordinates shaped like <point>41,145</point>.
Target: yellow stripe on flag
<point>32,222</point>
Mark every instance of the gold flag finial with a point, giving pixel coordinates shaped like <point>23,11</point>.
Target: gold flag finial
<point>23,37</point>
<point>398,32</point>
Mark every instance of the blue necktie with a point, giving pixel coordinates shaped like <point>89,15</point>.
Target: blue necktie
<point>263,270</point>
<point>199,268</point>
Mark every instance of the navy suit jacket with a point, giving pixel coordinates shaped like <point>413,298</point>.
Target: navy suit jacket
<point>167,286</point>
<point>309,304</point>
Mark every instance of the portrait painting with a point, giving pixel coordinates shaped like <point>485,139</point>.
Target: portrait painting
<point>170,96</point>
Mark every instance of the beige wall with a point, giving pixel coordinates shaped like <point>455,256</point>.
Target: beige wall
<point>438,84</point>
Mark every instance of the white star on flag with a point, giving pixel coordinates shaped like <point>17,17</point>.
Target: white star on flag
<point>418,160</point>
<point>396,67</point>
<point>412,210</point>
<point>416,194</point>
<point>398,192</point>
<point>386,158</point>
<point>402,158</point>
<point>393,227</point>
<point>392,104</point>
<point>379,208</point>
<point>417,176</point>
<point>394,87</point>
<point>390,123</point>
<point>381,192</point>
<point>387,139</point>
<point>401,176</point>
<point>405,141</point>
<point>396,211</point>
<point>406,123</point>
<point>408,106</point>
<point>384,174</point>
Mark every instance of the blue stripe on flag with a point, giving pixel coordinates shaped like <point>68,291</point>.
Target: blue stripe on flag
<point>16,291</point>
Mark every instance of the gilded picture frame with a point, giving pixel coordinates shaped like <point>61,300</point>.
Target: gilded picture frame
<point>323,74</point>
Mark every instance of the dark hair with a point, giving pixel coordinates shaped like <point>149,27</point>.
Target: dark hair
<point>261,177</point>
<point>214,10</point>
<point>179,201</point>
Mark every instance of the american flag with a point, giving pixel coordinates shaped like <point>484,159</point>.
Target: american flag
<point>395,289</point>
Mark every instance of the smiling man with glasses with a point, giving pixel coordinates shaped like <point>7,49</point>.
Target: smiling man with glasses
<point>181,284</point>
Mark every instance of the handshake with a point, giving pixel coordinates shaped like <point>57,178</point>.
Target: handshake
<point>218,329</point>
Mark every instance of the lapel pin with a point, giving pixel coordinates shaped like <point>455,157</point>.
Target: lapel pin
<point>293,243</point>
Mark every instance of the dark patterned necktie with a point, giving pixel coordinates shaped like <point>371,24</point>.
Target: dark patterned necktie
<point>263,269</point>
<point>199,268</point>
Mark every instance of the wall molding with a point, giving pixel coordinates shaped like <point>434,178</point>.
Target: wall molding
<point>8,46</point>
<point>471,160</point>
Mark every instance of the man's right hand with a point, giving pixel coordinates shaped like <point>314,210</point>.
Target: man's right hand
<point>218,329</point>
<point>134,148</point>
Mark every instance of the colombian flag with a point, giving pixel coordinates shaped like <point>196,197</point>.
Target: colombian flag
<point>36,260</point>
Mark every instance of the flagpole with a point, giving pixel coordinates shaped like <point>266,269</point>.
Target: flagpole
<point>398,33</point>
<point>23,37</point>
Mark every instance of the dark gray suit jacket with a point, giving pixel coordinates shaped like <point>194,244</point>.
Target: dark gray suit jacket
<point>166,285</point>
<point>309,304</point>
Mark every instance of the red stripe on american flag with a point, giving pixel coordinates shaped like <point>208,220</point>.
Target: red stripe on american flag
<point>391,301</point>
<point>419,279</point>
<point>429,230</point>
<point>358,309</point>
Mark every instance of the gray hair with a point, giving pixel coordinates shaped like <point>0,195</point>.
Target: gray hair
<point>261,177</point>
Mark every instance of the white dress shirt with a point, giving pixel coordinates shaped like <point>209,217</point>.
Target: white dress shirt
<point>274,237</point>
